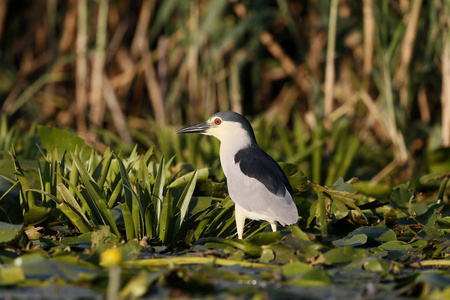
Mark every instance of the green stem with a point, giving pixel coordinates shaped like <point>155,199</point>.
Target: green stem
<point>323,214</point>
<point>442,188</point>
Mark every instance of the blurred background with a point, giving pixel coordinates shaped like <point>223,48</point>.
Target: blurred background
<point>340,88</point>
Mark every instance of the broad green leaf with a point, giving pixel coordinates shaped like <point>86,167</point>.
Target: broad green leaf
<point>36,215</point>
<point>400,198</point>
<point>379,234</point>
<point>10,233</point>
<point>338,209</point>
<point>352,241</point>
<point>430,217</point>
<point>343,255</point>
<point>395,245</point>
<point>43,269</point>
<point>183,180</point>
<point>299,233</point>
<point>314,277</point>
<point>295,176</point>
<point>380,266</point>
<point>11,275</point>
<point>292,270</point>
<point>252,245</point>
<point>444,222</point>
<point>433,176</point>
<point>376,190</point>
<point>267,255</point>
<point>53,138</point>
<point>264,238</point>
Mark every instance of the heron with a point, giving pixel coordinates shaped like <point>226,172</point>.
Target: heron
<point>256,183</point>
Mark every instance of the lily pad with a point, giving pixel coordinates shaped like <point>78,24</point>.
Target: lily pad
<point>379,234</point>
<point>10,233</point>
<point>354,240</point>
<point>395,245</point>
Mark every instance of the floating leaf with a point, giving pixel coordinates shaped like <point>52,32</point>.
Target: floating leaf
<point>353,240</point>
<point>343,255</point>
<point>395,245</point>
<point>11,276</point>
<point>10,233</point>
<point>400,198</point>
<point>379,234</point>
<point>294,269</point>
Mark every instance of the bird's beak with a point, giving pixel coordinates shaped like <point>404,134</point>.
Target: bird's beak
<point>197,128</point>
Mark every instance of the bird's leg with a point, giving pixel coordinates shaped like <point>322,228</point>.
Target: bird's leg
<point>240,221</point>
<point>274,226</point>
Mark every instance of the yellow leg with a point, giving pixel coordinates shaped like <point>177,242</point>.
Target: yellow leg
<point>274,226</point>
<point>240,220</point>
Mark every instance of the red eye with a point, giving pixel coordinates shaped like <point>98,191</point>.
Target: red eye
<point>217,121</point>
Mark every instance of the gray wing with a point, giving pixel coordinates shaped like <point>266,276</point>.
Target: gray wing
<point>262,187</point>
<point>257,164</point>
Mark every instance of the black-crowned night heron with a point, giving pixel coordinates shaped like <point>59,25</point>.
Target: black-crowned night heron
<point>256,183</point>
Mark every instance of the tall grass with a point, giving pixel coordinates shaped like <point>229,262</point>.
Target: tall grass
<point>109,65</point>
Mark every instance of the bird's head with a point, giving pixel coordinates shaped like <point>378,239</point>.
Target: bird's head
<point>227,126</point>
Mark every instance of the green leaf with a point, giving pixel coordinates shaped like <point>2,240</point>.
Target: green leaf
<point>36,215</point>
<point>26,198</point>
<point>75,216</point>
<point>11,276</point>
<point>62,141</point>
<point>400,198</point>
<point>299,233</point>
<point>371,189</point>
<point>313,277</point>
<point>352,241</point>
<point>338,209</point>
<point>395,245</point>
<point>292,270</point>
<point>70,200</point>
<point>97,201</point>
<point>103,170</point>
<point>10,233</point>
<point>166,220</point>
<point>183,202</point>
<point>128,220</point>
<point>158,189</point>
<point>343,255</point>
<point>379,234</point>
<point>76,219</point>
<point>133,202</point>
<point>433,176</point>
<point>183,180</point>
<point>444,222</point>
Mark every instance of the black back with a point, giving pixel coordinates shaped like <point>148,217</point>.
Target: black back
<point>257,164</point>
